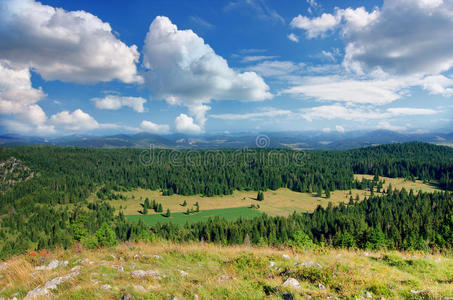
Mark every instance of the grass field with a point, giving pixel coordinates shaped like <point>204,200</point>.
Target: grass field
<point>281,202</point>
<point>207,271</point>
<point>181,218</point>
<point>399,183</point>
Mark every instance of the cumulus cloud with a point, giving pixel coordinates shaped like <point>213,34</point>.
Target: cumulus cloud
<point>73,46</point>
<point>16,91</point>
<point>183,69</point>
<point>75,121</point>
<point>114,102</point>
<point>185,124</point>
<point>351,19</point>
<point>422,45</point>
<point>317,26</point>
<point>438,84</point>
<point>151,127</point>
<point>18,98</point>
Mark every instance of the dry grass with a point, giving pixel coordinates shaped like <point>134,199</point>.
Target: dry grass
<point>352,273</point>
<point>281,202</point>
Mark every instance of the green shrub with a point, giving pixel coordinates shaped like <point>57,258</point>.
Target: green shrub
<point>106,236</point>
<point>301,240</point>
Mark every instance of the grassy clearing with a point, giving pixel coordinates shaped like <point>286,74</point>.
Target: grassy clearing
<point>399,183</point>
<point>281,202</point>
<point>182,218</point>
<point>235,272</point>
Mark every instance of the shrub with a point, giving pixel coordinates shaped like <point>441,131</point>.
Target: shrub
<point>106,236</point>
<point>301,240</point>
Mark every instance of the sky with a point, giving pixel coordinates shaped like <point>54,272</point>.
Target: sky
<point>209,67</point>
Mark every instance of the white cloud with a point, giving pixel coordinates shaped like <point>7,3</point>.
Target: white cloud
<point>317,26</point>
<point>410,111</point>
<point>352,20</point>
<point>326,130</point>
<point>276,68</point>
<point>184,70</point>
<point>259,8</point>
<point>16,91</point>
<point>253,58</point>
<point>387,126</point>
<point>360,113</point>
<point>73,46</point>
<point>201,22</point>
<point>421,45</point>
<point>75,121</point>
<point>329,55</point>
<point>19,98</point>
<point>438,84</point>
<point>151,127</point>
<point>185,124</point>
<point>268,113</point>
<point>114,102</point>
<point>293,37</point>
<point>312,3</point>
<point>339,128</point>
<point>333,88</point>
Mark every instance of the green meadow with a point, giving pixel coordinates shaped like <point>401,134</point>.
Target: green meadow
<point>182,218</point>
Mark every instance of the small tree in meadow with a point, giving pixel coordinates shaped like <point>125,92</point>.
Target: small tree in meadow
<point>260,196</point>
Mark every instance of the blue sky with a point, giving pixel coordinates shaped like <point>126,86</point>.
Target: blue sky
<point>194,67</point>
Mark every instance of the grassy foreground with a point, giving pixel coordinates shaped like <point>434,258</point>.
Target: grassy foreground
<point>205,271</point>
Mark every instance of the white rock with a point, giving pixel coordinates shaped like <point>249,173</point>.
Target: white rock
<point>45,291</point>
<point>285,256</point>
<point>157,257</point>
<point>139,288</point>
<point>368,295</point>
<point>143,274</point>
<point>53,265</point>
<point>321,286</point>
<point>292,283</point>
<point>183,273</point>
<point>106,287</point>
<point>76,268</point>
<point>271,264</point>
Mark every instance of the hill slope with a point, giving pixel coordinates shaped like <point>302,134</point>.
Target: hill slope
<point>197,271</point>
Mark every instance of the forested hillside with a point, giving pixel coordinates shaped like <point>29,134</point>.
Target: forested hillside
<point>51,209</point>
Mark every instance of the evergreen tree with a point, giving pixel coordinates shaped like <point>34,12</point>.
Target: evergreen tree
<point>260,196</point>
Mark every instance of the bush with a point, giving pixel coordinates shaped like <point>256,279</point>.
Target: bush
<point>89,241</point>
<point>301,240</point>
<point>106,236</point>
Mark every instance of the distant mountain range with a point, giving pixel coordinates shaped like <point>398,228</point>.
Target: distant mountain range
<point>294,140</point>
